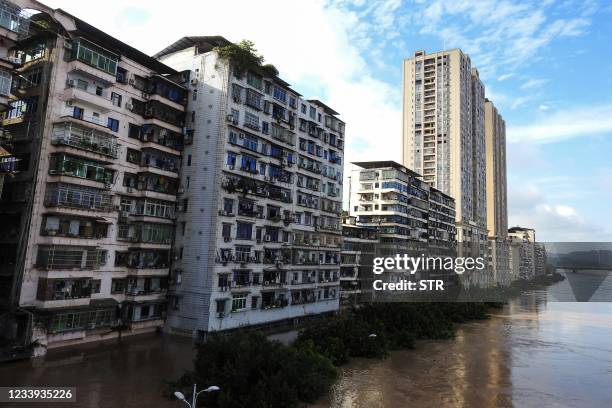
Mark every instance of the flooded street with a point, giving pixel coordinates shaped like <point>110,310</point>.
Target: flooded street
<point>534,352</point>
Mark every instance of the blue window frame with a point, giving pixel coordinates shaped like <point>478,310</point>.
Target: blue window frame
<point>231,159</point>
<point>250,142</point>
<point>249,163</point>
<point>113,124</point>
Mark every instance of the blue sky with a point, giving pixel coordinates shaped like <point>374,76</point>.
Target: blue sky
<point>547,65</point>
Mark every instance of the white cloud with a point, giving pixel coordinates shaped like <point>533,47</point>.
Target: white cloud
<point>565,124</point>
<point>543,107</point>
<point>553,222</point>
<point>534,83</point>
<point>315,52</point>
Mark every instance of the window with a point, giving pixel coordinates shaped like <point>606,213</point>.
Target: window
<point>117,285</point>
<point>113,124</point>
<point>249,163</point>
<point>116,99</point>
<point>239,302</point>
<point>226,231</point>
<point>250,142</point>
<point>254,302</point>
<point>228,205</point>
<point>231,159</point>
<point>220,305</point>
<point>121,75</point>
<point>265,128</point>
<point>251,120</point>
<point>304,109</point>
<point>313,112</point>
<point>99,90</point>
<point>189,160</point>
<point>244,230</point>
<point>195,94</point>
<point>77,112</point>
<point>254,80</point>
<point>280,94</point>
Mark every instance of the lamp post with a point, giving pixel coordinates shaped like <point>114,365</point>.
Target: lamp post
<point>181,397</point>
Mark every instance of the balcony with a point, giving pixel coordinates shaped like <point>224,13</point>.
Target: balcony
<point>98,100</point>
<point>157,183</point>
<point>63,289</point>
<point>77,197</point>
<point>71,134</point>
<point>146,233</point>
<point>143,259</point>
<point>95,57</point>
<point>74,227</point>
<point>155,136</point>
<point>57,257</point>
<point>66,165</point>
<point>146,286</point>
<point>154,109</point>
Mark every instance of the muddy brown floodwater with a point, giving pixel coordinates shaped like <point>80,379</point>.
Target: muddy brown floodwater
<point>535,352</point>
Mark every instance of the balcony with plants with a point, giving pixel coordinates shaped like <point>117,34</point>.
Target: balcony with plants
<point>81,137</point>
<point>66,165</point>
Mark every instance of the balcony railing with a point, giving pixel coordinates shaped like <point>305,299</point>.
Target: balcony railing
<point>71,134</point>
<point>65,257</point>
<point>73,196</point>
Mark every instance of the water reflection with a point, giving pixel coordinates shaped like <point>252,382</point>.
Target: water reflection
<point>533,353</point>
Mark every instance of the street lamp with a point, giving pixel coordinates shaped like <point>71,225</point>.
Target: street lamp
<point>181,397</point>
<point>372,336</point>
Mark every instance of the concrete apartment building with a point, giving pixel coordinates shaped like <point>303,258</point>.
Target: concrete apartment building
<point>444,139</point>
<point>88,222</point>
<point>14,24</point>
<point>259,236</point>
<point>496,188</point>
<point>359,247</point>
<point>522,252</point>
<point>411,216</point>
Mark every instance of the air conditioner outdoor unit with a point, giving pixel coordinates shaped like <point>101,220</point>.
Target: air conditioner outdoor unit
<point>69,102</point>
<point>129,106</point>
<point>125,214</point>
<point>131,81</point>
<point>230,118</point>
<point>70,82</point>
<point>194,81</point>
<point>267,238</point>
<point>230,167</point>
<point>227,239</point>
<point>241,135</point>
<point>130,189</point>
